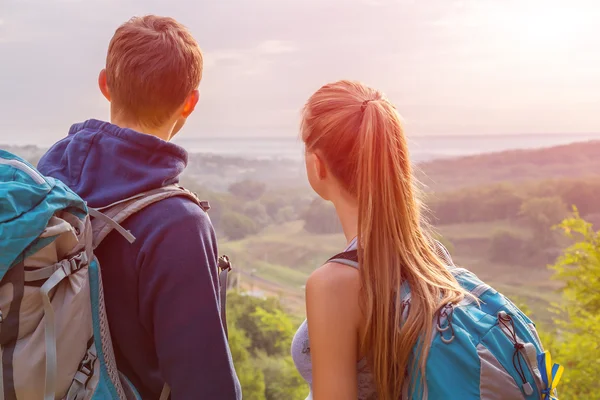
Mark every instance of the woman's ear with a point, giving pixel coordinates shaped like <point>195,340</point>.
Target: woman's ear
<point>320,167</point>
<point>317,174</point>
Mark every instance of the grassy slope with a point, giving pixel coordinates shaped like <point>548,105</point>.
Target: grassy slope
<point>283,257</point>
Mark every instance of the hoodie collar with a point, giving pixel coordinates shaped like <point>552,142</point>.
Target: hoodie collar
<point>104,163</point>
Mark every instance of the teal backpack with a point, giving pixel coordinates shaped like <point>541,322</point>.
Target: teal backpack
<point>54,336</point>
<point>488,351</point>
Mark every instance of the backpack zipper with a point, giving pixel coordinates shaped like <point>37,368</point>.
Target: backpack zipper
<point>530,326</point>
<point>21,166</point>
<point>505,321</point>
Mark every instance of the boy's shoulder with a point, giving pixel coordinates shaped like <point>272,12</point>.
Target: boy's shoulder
<point>175,228</point>
<point>177,212</point>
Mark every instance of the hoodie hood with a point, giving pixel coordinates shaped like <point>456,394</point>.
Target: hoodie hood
<point>104,163</point>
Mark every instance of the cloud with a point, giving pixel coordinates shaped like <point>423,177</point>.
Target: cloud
<point>220,57</point>
<point>249,61</point>
<point>275,47</point>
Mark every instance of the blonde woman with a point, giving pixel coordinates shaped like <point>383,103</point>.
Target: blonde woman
<point>371,328</point>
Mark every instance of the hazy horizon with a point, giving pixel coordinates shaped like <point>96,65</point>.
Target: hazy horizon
<point>452,67</point>
<point>186,136</point>
<point>422,148</point>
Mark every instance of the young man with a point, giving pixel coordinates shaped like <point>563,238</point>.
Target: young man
<point>161,292</point>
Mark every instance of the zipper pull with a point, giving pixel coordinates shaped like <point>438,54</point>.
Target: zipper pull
<point>527,389</point>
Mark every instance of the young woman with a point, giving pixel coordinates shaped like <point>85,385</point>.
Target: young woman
<point>357,158</point>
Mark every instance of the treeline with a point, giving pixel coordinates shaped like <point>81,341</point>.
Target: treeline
<point>249,206</point>
<point>508,201</point>
<point>532,208</point>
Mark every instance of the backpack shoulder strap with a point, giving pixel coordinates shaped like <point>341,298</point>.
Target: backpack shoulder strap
<point>443,254</point>
<point>111,217</point>
<point>350,257</point>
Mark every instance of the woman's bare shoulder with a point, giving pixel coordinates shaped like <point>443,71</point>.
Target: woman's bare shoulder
<point>332,289</point>
<point>334,277</point>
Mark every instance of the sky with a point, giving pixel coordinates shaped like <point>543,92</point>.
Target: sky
<point>450,66</point>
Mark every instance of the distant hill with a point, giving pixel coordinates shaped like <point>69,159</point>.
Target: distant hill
<point>575,160</point>
<point>567,161</point>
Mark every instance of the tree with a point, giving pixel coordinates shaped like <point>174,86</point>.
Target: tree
<point>321,218</point>
<point>257,212</point>
<point>541,213</point>
<point>498,202</point>
<point>267,326</point>
<point>237,226</point>
<point>248,189</point>
<point>285,214</point>
<point>282,379</point>
<point>273,203</point>
<point>274,331</point>
<point>251,378</point>
<point>475,204</point>
<point>577,347</point>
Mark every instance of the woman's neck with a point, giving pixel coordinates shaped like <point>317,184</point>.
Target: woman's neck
<point>347,212</point>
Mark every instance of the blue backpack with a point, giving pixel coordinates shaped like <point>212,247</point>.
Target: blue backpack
<point>489,350</point>
<point>54,335</point>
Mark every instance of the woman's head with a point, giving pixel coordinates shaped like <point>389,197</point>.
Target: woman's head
<point>355,141</point>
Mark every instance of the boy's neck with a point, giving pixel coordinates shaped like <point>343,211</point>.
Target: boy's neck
<point>163,133</point>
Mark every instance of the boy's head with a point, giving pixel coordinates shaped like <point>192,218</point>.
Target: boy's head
<point>153,70</point>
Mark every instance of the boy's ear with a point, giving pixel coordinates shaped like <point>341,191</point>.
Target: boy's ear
<point>190,103</point>
<point>103,85</point>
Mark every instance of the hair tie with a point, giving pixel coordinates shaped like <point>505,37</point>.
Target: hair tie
<point>364,105</point>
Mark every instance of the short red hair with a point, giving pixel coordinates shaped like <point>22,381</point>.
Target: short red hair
<point>153,65</point>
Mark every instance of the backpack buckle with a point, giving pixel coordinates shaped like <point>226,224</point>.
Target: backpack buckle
<point>224,263</point>
<point>86,367</point>
<point>75,263</point>
<point>204,204</point>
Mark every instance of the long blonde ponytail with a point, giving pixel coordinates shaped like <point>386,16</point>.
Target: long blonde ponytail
<point>360,136</point>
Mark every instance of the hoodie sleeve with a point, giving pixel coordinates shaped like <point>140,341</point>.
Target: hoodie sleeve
<point>179,303</point>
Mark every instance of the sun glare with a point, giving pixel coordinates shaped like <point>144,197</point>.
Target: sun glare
<point>541,27</point>
<point>547,27</point>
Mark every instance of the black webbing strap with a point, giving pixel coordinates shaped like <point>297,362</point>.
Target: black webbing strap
<point>224,268</point>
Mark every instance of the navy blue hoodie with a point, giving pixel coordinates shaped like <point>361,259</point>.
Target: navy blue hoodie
<point>161,292</point>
